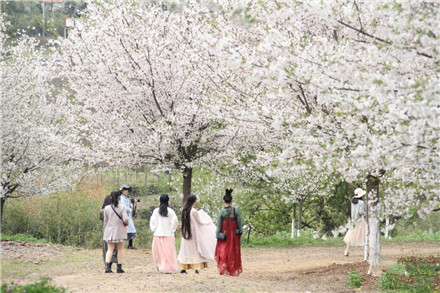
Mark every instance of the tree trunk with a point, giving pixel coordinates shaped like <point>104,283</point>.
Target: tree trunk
<point>299,218</point>
<point>292,235</point>
<point>187,181</point>
<point>1,215</point>
<point>367,229</point>
<point>387,228</point>
<point>373,221</point>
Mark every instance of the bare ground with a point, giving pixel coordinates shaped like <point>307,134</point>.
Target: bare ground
<point>293,269</point>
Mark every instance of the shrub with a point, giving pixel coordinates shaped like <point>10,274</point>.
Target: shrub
<point>354,279</point>
<point>68,218</point>
<point>419,229</point>
<point>44,286</point>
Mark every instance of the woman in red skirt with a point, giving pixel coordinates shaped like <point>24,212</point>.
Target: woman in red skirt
<point>228,253</point>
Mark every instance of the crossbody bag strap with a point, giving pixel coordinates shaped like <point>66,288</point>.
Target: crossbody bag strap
<point>226,228</point>
<point>236,222</point>
<point>117,214</point>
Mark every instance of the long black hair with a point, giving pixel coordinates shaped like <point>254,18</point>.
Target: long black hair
<point>163,208</point>
<point>355,200</point>
<point>186,220</point>
<point>115,197</point>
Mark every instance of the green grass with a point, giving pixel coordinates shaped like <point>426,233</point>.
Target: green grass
<point>22,237</point>
<point>413,274</point>
<point>284,240</point>
<point>417,236</point>
<point>43,286</point>
<point>397,268</point>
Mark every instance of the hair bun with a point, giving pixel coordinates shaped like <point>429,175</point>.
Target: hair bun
<point>229,190</point>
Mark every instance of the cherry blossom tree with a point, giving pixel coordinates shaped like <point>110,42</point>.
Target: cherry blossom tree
<point>351,86</point>
<point>300,182</point>
<point>154,87</point>
<point>36,140</point>
<point>362,82</point>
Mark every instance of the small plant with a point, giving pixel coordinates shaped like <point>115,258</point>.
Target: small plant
<point>44,286</point>
<point>397,268</point>
<point>354,279</point>
<point>413,274</point>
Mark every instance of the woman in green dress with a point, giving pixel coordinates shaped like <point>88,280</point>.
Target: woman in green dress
<point>228,251</point>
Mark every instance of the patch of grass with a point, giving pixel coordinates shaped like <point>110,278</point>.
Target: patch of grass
<point>413,275</point>
<point>16,269</point>
<point>354,279</point>
<point>397,268</point>
<point>68,263</point>
<point>43,286</point>
<point>418,236</point>
<point>22,237</point>
<point>284,240</point>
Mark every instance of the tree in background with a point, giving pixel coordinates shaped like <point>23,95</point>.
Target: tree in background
<point>363,81</point>
<point>157,85</point>
<point>36,137</point>
<point>26,17</point>
<point>300,182</point>
<point>73,8</point>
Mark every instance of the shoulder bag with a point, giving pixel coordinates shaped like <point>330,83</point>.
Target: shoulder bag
<point>101,214</point>
<point>222,235</point>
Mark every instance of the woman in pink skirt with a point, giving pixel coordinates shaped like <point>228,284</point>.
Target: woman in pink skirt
<point>356,236</point>
<point>163,223</point>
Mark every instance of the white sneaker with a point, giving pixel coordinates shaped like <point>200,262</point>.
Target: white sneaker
<point>346,253</point>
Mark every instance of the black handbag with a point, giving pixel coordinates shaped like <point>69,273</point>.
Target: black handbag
<point>222,235</point>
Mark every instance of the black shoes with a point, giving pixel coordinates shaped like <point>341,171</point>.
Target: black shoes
<point>108,267</point>
<point>184,271</point>
<point>119,269</point>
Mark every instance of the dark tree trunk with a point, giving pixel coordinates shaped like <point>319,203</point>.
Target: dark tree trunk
<point>187,181</point>
<point>373,184</point>
<point>1,215</point>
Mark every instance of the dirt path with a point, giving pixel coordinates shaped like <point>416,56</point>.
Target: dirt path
<point>306,269</point>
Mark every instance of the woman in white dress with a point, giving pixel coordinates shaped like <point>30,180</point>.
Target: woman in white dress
<point>198,238</point>
<point>356,235</point>
<point>163,223</point>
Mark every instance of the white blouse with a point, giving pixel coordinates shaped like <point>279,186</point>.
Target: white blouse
<point>163,226</point>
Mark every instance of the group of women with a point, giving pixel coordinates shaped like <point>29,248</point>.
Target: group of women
<point>202,240</point>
